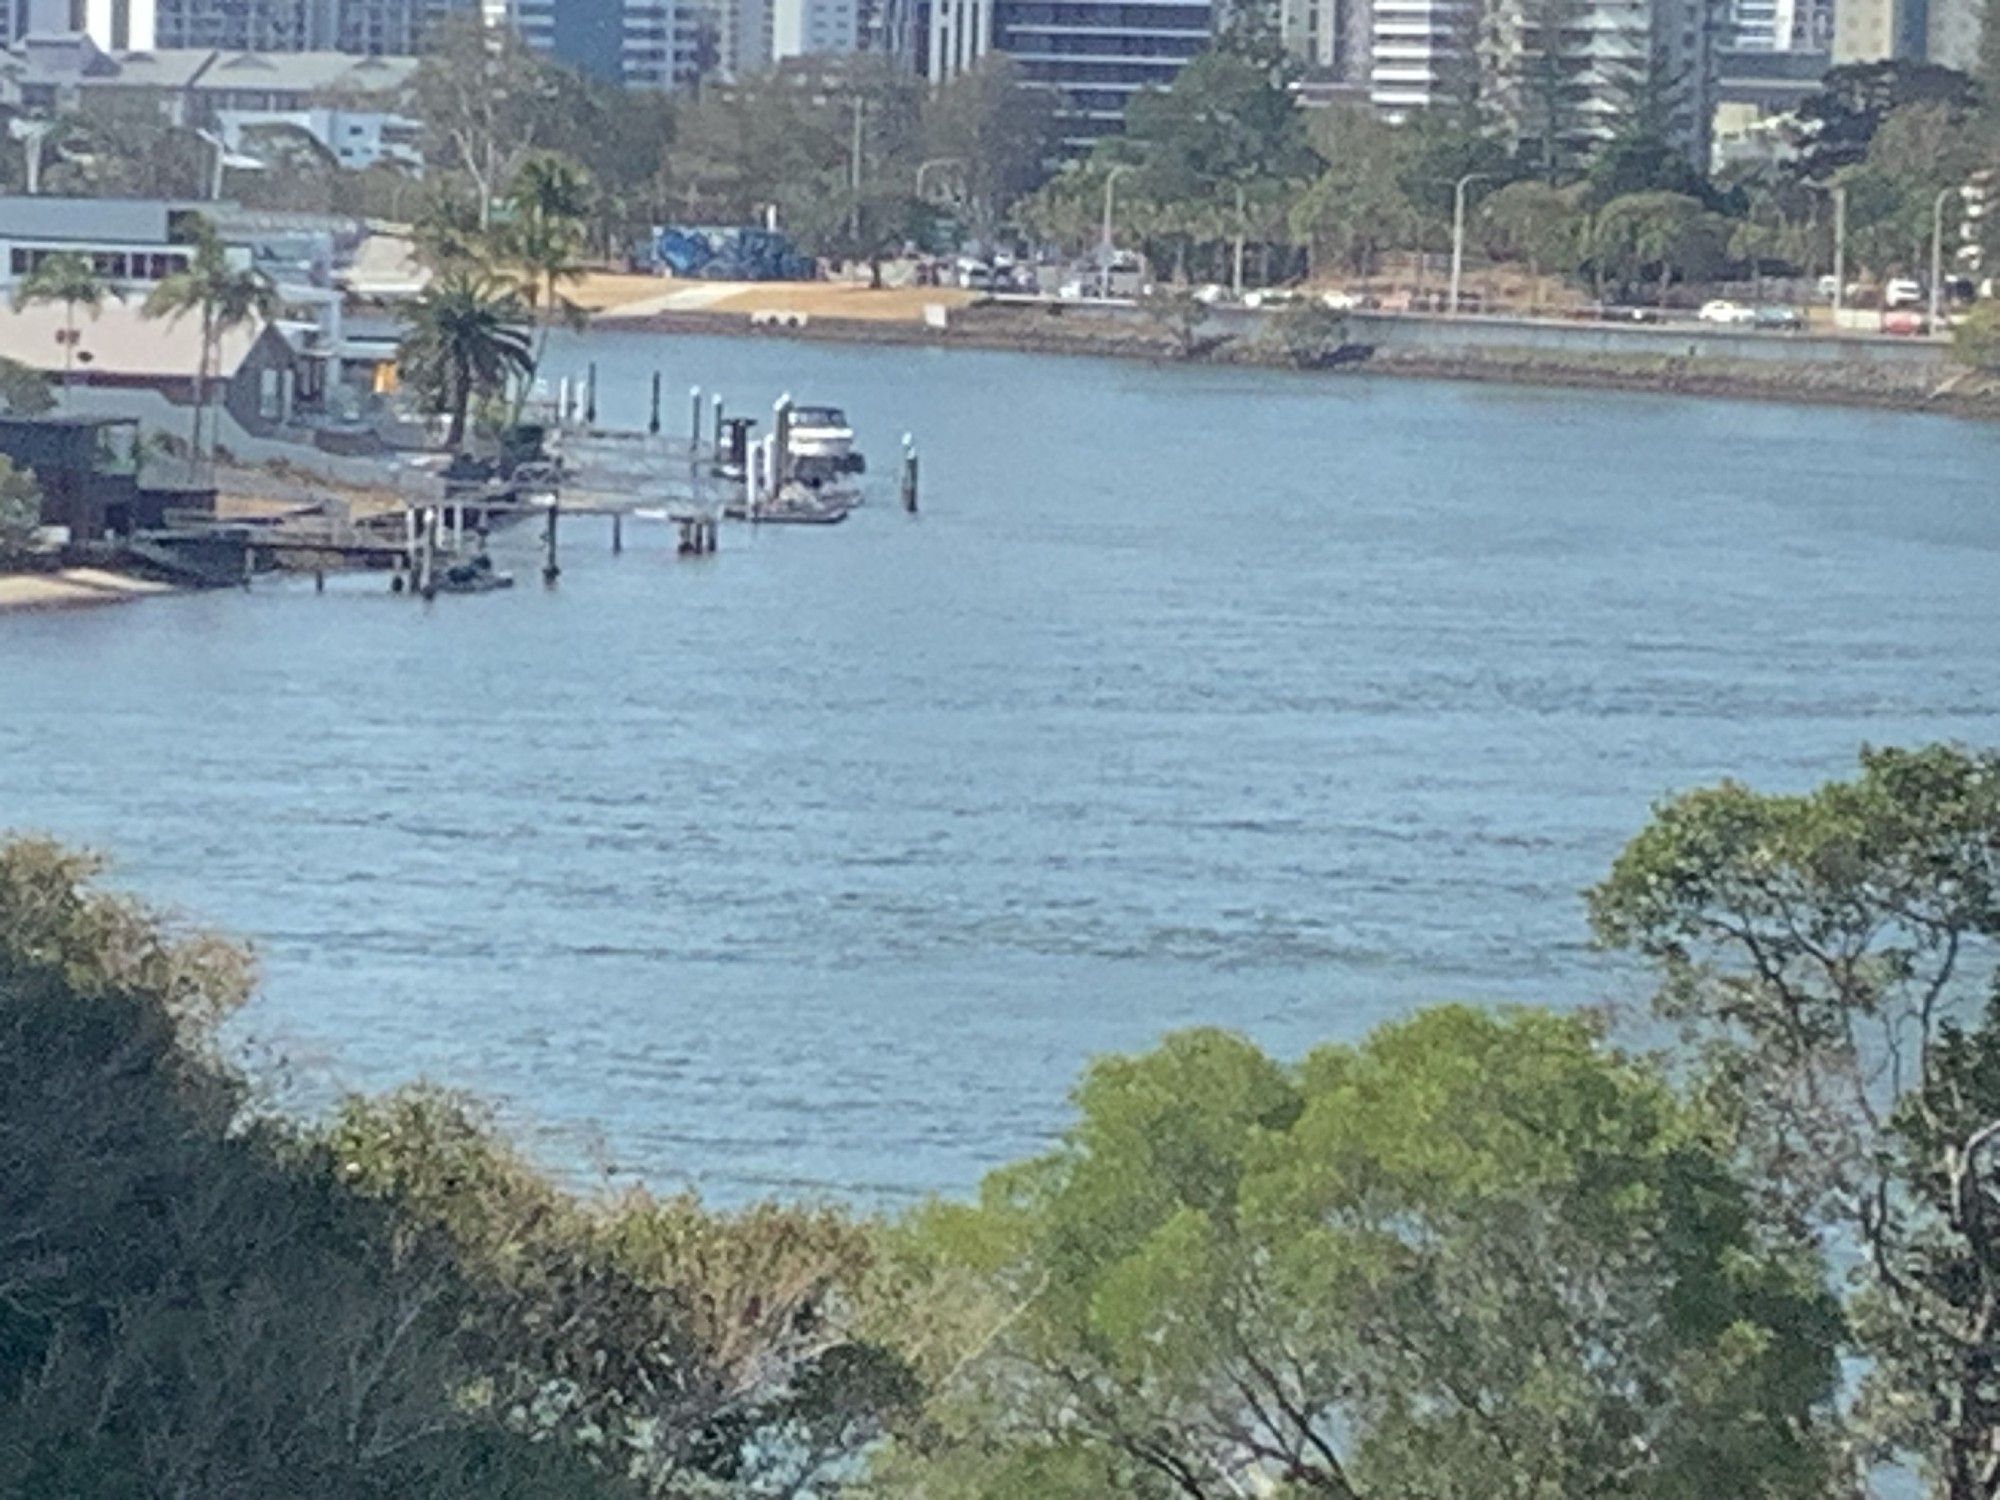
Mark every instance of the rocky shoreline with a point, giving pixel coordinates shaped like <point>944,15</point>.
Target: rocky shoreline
<point>1043,330</point>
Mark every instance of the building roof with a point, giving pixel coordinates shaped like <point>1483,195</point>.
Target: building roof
<point>138,221</point>
<point>78,64</point>
<point>306,72</point>
<point>120,341</point>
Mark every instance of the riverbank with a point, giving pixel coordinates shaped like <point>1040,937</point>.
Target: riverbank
<point>72,587</point>
<point>1657,363</point>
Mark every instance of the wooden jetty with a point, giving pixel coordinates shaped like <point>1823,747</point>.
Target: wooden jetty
<point>690,482</point>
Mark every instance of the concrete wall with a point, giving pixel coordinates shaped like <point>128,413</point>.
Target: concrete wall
<point>1446,336</point>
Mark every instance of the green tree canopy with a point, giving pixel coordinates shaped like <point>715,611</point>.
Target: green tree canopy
<point>1474,1256</point>
<point>223,296</point>
<point>1829,958</point>
<point>1658,236</point>
<point>71,280</point>
<point>1226,141</point>
<point>466,337</point>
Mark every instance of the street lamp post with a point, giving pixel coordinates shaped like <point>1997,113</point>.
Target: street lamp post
<point>1104,232</point>
<point>1937,256</point>
<point>1839,191</point>
<point>1458,234</point>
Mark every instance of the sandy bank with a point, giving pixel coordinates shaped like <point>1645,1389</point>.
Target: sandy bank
<point>73,586</point>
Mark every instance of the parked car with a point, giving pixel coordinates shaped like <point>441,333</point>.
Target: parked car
<point>1211,294</point>
<point>1727,314</point>
<point>1339,301</point>
<point>1902,292</point>
<point>1270,296</point>
<point>1789,319</point>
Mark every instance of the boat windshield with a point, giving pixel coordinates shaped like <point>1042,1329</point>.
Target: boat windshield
<point>818,416</point>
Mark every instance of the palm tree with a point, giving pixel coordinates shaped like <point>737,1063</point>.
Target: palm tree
<point>467,337</point>
<point>543,241</point>
<point>225,297</point>
<point>70,279</point>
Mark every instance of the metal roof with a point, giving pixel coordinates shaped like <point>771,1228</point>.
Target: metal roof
<point>135,221</point>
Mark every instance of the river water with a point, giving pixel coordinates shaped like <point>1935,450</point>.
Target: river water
<point>1280,702</point>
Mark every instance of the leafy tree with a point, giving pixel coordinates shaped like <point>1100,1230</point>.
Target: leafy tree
<point>1853,101</point>
<point>1541,226</point>
<point>542,241</point>
<point>1474,1256</point>
<point>24,390</point>
<point>188,1306</point>
<point>67,278</point>
<point>1226,137</point>
<point>1976,340</point>
<point>1178,314</point>
<point>20,508</point>
<point>1642,160</point>
<point>466,338</point>
<point>786,140</point>
<point>685,1346</point>
<point>448,234</point>
<point>1920,151</point>
<point>116,145</point>
<point>486,102</point>
<point>223,296</point>
<point>1000,136</point>
<point>1828,958</point>
<point>1356,208</point>
<point>1663,235</point>
<point>1309,334</point>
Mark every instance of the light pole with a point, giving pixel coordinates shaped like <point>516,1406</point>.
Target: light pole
<point>1104,232</point>
<point>1839,191</point>
<point>1458,234</point>
<point>1937,257</point>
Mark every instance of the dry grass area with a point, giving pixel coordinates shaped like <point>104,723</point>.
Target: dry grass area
<point>607,291</point>
<point>641,296</point>
<point>843,299</point>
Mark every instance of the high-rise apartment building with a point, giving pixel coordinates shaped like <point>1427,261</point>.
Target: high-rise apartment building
<point>1094,55</point>
<point>1421,53</point>
<point>1330,38</point>
<point>806,28</point>
<point>1939,31</point>
<point>113,25</point>
<point>1564,76</point>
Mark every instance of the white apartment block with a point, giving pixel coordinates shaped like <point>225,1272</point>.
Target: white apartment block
<point>809,28</point>
<point>1419,53</point>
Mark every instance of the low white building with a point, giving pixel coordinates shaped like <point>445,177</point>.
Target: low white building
<point>355,138</point>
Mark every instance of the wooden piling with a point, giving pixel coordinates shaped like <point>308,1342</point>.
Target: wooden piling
<point>590,398</point>
<point>550,572</point>
<point>694,427</point>
<point>653,422</point>
<point>427,554</point>
<point>715,403</point>
<point>909,476</point>
<point>617,532</point>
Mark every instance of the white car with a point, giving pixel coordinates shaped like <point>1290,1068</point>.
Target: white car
<point>1728,314</point>
<point>1339,301</point>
